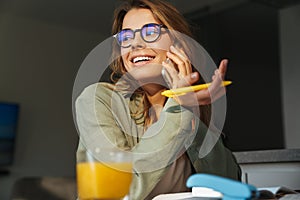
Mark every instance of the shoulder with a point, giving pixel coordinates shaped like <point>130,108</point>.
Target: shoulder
<point>100,93</point>
<point>97,91</point>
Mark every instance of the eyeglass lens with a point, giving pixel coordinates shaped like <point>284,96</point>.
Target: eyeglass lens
<point>149,33</point>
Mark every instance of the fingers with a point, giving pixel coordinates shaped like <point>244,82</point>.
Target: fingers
<point>182,76</point>
<point>219,76</point>
<point>221,71</point>
<point>178,66</point>
<point>170,71</point>
<point>170,74</point>
<point>188,80</point>
<point>223,68</point>
<point>181,61</point>
<point>201,97</point>
<point>215,91</point>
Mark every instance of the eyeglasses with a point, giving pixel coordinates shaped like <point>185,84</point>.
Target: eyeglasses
<point>149,33</point>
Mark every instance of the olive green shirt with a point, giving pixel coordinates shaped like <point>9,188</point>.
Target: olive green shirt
<point>105,116</point>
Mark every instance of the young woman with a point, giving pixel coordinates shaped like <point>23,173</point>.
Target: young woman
<point>164,134</point>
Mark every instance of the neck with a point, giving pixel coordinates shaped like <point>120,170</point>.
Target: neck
<point>155,99</point>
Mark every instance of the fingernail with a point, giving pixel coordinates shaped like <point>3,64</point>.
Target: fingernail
<point>226,62</point>
<point>167,60</point>
<point>194,75</point>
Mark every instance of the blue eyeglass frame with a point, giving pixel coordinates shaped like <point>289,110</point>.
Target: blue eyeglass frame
<point>139,30</point>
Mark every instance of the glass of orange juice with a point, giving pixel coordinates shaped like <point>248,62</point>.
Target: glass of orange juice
<point>104,176</point>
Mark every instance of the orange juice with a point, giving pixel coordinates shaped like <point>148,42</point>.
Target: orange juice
<point>96,180</point>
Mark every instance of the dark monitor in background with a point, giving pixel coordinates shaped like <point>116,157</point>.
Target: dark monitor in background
<point>8,130</point>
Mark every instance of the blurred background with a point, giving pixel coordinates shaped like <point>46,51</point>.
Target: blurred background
<point>44,42</point>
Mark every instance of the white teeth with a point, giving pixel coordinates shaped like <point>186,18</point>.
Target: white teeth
<point>142,58</point>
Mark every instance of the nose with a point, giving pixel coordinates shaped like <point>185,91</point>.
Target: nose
<point>138,42</point>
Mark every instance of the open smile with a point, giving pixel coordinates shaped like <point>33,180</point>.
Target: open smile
<point>141,59</point>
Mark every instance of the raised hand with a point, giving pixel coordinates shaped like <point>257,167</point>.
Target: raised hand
<point>179,69</point>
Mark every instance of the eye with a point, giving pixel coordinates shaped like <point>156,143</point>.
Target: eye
<point>125,35</point>
<point>126,38</point>
<point>151,31</point>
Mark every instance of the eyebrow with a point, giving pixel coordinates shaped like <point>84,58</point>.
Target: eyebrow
<point>148,22</point>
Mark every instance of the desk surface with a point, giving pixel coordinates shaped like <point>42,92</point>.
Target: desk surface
<point>268,156</point>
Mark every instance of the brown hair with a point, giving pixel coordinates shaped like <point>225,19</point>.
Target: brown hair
<point>166,14</point>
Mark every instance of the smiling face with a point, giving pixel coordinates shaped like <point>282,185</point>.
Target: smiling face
<point>145,57</point>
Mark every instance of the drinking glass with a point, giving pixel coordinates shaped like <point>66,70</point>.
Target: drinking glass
<point>105,175</point>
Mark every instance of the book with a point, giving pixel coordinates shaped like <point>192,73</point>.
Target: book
<point>198,193</point>
<point>275,192</point>
<point>201,193</point>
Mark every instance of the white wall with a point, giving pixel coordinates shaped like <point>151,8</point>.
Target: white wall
<point>38,65</point>
<point>290,69</point>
